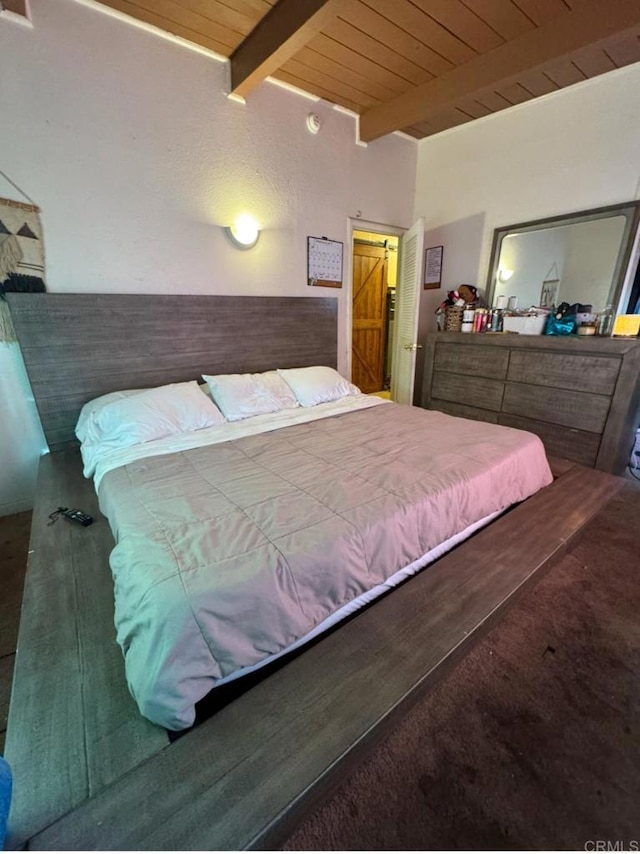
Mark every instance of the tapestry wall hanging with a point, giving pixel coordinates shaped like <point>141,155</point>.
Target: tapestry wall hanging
<point>21,256</point>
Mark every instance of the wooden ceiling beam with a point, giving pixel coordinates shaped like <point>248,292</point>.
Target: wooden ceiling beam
<point>283,31</point>
<point>592,21</point>
<point>18,7</point>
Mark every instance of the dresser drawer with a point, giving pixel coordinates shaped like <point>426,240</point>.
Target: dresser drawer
<point>472,360</point>
<point>462,411</point>
<point>589,373</point>
<point>581,396</point>
<point>577,445</point>
<point>557,406</point>
<point>472,391</point>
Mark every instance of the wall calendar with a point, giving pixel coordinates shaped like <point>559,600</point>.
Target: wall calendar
<point>324,262</point>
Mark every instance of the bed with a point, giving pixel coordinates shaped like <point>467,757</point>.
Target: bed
<point>238,542</point>
<point>359,478</point>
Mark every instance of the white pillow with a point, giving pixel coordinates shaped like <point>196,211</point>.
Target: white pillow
<point>84,426</point>
<point>132,419</point>
<point>244,395</point>
<point>317,384</point>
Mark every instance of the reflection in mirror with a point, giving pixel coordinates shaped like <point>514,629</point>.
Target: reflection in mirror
<point>577,258</point>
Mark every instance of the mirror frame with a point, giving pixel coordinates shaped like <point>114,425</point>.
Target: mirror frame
<point>630,209</point>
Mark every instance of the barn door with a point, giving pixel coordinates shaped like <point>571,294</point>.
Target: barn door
<point>406,313</point>
<point>369,316</point>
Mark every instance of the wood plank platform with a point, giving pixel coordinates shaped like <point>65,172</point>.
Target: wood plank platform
<point>245,777</point>
<point>69,702</point>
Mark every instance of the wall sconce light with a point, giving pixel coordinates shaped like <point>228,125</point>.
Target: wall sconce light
<point>504,275</point>
<point>244,232</point>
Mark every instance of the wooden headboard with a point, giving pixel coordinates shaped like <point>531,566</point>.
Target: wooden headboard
<point>79,346</point>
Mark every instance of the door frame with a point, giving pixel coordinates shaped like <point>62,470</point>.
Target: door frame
<point>354,224</point>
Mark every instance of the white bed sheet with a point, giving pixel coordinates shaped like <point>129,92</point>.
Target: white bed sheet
<point>98,464</point>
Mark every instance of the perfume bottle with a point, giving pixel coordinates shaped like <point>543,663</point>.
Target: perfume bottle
<point>604,321</point>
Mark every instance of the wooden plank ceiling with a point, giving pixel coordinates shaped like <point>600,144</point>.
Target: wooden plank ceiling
<point>420,66</point>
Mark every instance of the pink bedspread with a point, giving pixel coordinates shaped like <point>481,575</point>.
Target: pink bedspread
<point>227,554</point>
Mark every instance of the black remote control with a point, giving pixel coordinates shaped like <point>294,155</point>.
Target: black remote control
<point>77,516</point>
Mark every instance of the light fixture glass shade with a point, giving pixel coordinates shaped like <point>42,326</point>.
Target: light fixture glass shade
<point>244,232</point>
<point>504,275</point>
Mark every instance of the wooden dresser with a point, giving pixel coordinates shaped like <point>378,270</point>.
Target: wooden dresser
<point>580,395</point>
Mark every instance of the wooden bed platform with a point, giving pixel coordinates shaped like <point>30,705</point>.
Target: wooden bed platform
<point>90,773</point>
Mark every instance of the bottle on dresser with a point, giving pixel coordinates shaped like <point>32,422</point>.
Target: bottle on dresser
<point>480,320</point>
<point>604,321</point>
<point>467,318</point>
<point>497,314</point>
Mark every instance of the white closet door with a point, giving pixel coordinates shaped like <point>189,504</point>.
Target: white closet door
<point>406,314</point>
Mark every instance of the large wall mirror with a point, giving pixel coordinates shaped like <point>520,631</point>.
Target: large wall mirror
<point>577,258</point>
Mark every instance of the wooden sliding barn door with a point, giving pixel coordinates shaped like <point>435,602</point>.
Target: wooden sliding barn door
<point>369,316</point>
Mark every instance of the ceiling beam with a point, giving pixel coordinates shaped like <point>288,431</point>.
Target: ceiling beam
<point>284,30</point>
<point>589,22</point>
<point>18,7</point>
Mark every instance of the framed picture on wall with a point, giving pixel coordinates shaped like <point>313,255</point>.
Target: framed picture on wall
<point>549,292</point>
<point>433,267</point>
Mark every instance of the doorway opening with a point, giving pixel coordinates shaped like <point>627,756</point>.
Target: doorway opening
<point>370,334</point>
<point>373,296</point>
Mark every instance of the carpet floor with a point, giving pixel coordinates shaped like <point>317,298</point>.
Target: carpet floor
<point>533,741</point>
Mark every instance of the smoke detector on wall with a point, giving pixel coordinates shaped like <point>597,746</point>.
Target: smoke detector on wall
<point>313,122</point>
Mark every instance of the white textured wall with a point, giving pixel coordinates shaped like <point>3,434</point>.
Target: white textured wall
<point>576,149</point>
<point>134,154</point>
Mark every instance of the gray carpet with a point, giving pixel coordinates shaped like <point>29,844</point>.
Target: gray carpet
<point>533,742</point>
